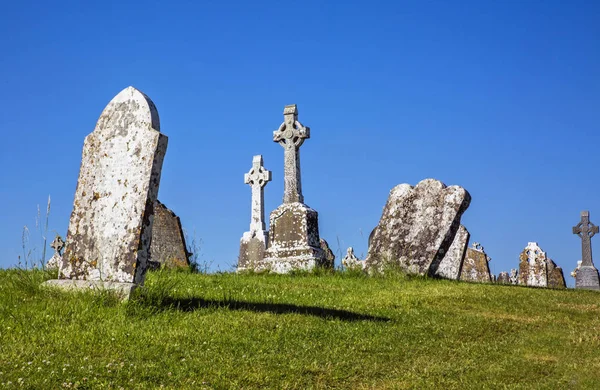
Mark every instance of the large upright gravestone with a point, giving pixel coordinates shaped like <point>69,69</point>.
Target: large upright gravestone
<point>294,242</point>
<point>418,227</point>
<point>110,229</point>
<point>586,276</point>
<point>168,248</point>
<point>475,266</point>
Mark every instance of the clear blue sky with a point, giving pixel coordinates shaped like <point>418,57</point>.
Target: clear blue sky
<point>501,98</point>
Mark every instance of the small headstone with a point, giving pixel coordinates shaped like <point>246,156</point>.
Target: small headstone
<point>58,245</point>
<point>503,278</point>
<point>417,227</point>
<point>451,264</point>
<point>255,241</point>
<point>475,266</point>
<point>587,274</point>
<point>574,272</point>
<point>556,278</point>
<point>350,261</point>
<point>533,266</point>
<point>514,276</point>
<point>329,257</point>
<point>294,227</point>
<point>168,248</point>
<point>110,229</point>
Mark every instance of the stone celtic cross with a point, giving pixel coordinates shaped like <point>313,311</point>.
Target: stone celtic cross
<point>291,134</point>
<point>586,230</point>
<point>58,244</point>
<point>257,178</point>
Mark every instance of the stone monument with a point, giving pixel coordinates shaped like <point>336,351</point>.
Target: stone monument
<point>533,268</point>
<point>350,261</point>
<point>58,245</point>
<point>587,274</point>
<point>451,265</point>
<point>503,278</point>
<point>294,242</point>
<point>417,227</point>
<point>255,241</point>
<point>168,248</point>
<point>110,229</point>
<point>475,265</point>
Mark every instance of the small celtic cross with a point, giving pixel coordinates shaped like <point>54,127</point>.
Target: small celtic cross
<point>585,230</point>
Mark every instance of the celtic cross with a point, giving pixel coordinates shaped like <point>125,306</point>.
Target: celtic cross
<point>586,230</point>
<point>58,244</point>
<point>257,177</point>
<point>291,134</point>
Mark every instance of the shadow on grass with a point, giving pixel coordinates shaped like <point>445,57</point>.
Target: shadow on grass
<point>191,304</point>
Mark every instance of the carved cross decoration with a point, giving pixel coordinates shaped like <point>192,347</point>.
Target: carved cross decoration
<point>257,177</point>
<point>58,244</point>
<point>586,230</point>
<point>291,135</point>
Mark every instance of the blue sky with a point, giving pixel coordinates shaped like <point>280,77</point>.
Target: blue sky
<point>501,98</point>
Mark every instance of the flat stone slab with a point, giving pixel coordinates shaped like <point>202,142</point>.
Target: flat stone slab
<point>121,288</point>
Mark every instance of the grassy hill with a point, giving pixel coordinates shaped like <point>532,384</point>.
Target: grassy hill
<point>330,330</point>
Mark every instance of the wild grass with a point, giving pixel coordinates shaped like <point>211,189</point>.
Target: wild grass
<point>323,330</point>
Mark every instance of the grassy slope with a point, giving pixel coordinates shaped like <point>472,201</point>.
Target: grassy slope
<point>257,331</point>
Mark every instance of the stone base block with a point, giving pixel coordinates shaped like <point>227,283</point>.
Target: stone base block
<point>587,278</point>
<point>121,288</point>
<point>252,250</point>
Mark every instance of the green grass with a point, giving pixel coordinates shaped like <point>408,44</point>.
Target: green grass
<point>297,331</point>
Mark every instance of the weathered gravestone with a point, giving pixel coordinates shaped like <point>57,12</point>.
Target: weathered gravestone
<point>556,278</point>
<point>503,278</point>
<point>350,261</point>
<point>451,265</point>
<point>254,242</point>
<point>110,229</point>
<point>168,248</point>
<point>533,266</point>
<point>417,227</point>
<point>475,265</point>
<point>328,256</point>
<point>58,245</point>
<point>514,276</point>
<point>587,275</point>
<point>294,227</point>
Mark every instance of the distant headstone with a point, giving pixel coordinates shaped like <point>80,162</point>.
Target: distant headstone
<point>475,266</point>
<point>451,265</point>
<point>255,241</point>
<point>587,274</point>
<point>329,257</point>
<point>168,248</point>
<point>556,278</point>
<point>533,266</point>
<point>58,245</point>
<point>110,229</point>
<point>503,278</point>
<point>417,227</point>
<point>294,227</point>
<point>514,276</point>
<point>350,261</point>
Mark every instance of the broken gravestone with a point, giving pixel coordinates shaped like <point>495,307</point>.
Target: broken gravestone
<point>168,248</point>
<point>294,242</point>
<point>328,256</point>
<point>586,276</point>
<point>452,263</point>
<point>475,265</point>
<point>417,227</point>
<point>58,245</point>
<point>350,261</point>
<point>503,278</point>
<point>110,229</point>
<point>255,241</point>
<point>556,278</point>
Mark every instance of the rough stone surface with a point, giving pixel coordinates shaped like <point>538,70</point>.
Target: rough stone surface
<point>58,245</point>
<point>417,227</point>
<point>124,290</point>
<point>254,242</point>
<point>451,264</point>
<point>587,275</point>
<point>328,256</point>
<point>514,276</point>
<point>294,227</point>
<point>350,261</point>
<point>503,278</point>
<point>475,265</point>
<point>168,247</point>
<point>533,266</point>
<point>556,278</point>
<point>110,229</point>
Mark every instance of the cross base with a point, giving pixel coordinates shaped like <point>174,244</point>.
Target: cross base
<point>587,278</point>
<point>252,250</point>
<point>122,289</point>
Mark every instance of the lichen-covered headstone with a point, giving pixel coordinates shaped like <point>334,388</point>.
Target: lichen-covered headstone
<point>475,265</point>
<point>514,276</point>
<point>417,227</point>
<point>255,241</point>
<point>451,264</point>
<point>110,229</point>
<point>328,256</point>
<point>58,244</point>
<point>503,278</point>
<point>294,242</point>
<point>587,274</point>
<point>168,248</point>
<point>533,265</point>
<point>350,261</point>
<point>556,278</point>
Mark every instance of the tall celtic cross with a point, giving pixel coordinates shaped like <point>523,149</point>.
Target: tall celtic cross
<point>291,135</point>
<point>257,177</point>
<point>586,230</point>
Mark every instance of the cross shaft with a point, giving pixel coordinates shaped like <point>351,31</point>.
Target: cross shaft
<point>585,230</point>
<point>257,178</point>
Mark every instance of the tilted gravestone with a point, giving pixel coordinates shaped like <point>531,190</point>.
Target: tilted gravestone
<point>255,241</point>
<point>417,227</point>
<point>294,242</point>
<point>168,248</point>
<point>110,229</point>
<point>475,266</point>
<point>556,278</point>
<point>586,275</point>
<point>328,256</point>
<point>452,263</point>
<point>533,268</point>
